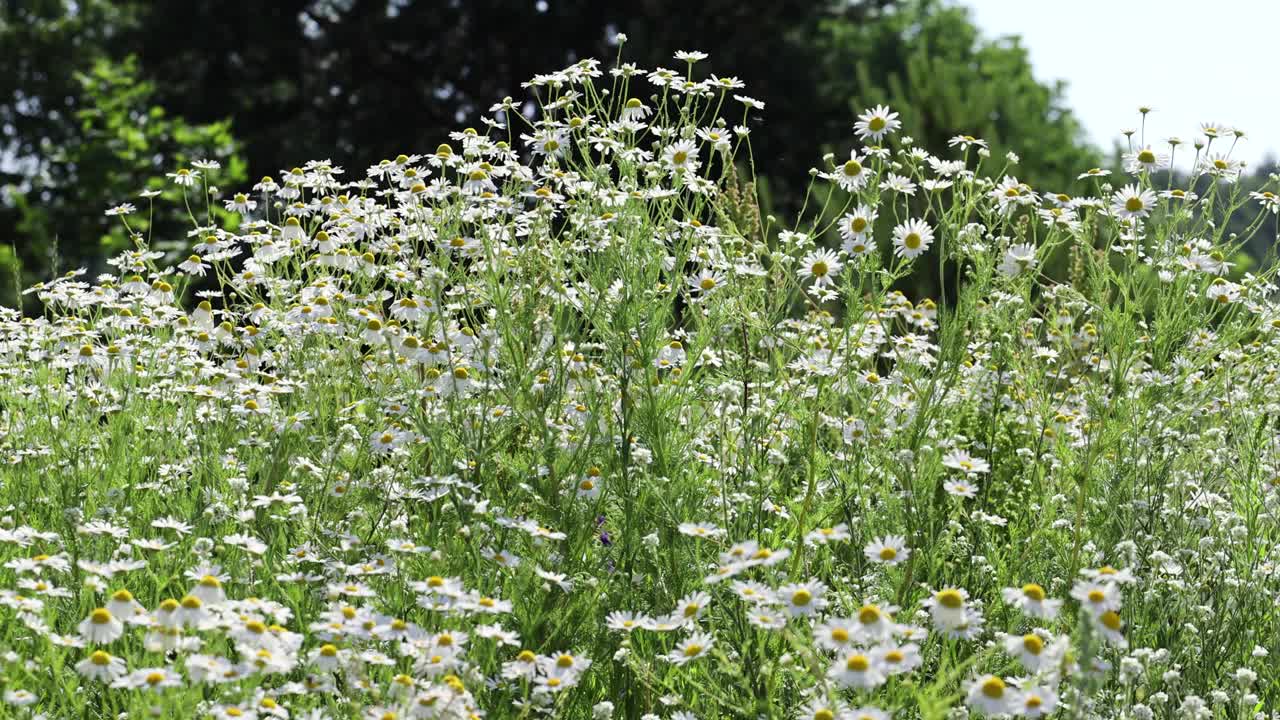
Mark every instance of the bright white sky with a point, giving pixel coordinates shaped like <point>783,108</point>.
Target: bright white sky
<point>1190,60</point>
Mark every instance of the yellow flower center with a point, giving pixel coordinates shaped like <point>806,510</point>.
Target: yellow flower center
<point>1111,619</point>
<point>950,599</point>
<point>993,687</point>
<point>1033,591</point>
<point>857,663</point>
<point>1032,644</point>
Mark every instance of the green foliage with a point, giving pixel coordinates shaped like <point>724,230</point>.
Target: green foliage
<point>126,137</point>
<point>929,62</point>
<point>111,134</point>
<point>304,80</point>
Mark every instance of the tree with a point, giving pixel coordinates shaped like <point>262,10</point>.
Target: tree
<point>928,61</point>
<point>86,134</point>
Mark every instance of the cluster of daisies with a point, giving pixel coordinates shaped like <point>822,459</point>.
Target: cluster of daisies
<point>554,421</point>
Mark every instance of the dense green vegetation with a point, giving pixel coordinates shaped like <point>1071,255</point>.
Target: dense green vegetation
<point>97,98</point>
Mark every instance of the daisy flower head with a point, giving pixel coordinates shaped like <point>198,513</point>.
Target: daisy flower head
<point>990,695</point>
<point>836,634</point>
<point>101,666</point>
<point>692,606</point>
<point>803,599</point>
<point>624,621</point>
<point>964,462</point>
<point>705,282</point>
<point>767,620</point>
<point>857,669</point>
<point>184,177</point>
<point>960,489</point>
<point>1033,650</point>
<point>821,265</point>
<point>900,184</point>
<point>874,622</point>
<point>1111,628</point>
<point>949,608</point>
<point>1130,202</point>
<point>1220,166</point>
<point>1097,597</point>
<point>855,230</point>
<point>887,550</point>
<point>1109,574</point>
<point>1010,192</point>
<point>691,648</point>
<point>965,142</point>
<point>1032,600</point>
<point>634,111</point>
<point>1018,259</point>
<point>1222,291</point>
<point>875,123</point>
<point>850,175</point>
<point>912,238</point>
<point>822,709</point>
<point>101,627</point>
<point>897,659</point>
<point>680,157</point>
<point>701,530</point>
<point>1270,201</point>
<point>1036,701</point>
<point>1213,130</point>
<point>1144,160</point>
<point>827,535</point>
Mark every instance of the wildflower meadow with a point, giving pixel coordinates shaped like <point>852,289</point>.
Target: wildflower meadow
<point>553,421</point>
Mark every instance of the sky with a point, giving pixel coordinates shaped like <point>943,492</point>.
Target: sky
<point>1191,61</point>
